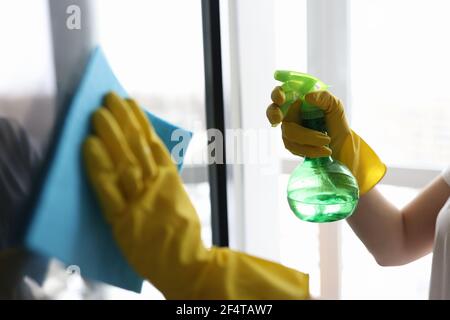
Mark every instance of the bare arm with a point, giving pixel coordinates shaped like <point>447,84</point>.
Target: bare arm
<point>394,236</point>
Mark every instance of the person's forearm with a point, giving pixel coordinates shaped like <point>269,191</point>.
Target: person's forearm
<point>379,225</point>
<point>420,217</point>
<point>394,236</point>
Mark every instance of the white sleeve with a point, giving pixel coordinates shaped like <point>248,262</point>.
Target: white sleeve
<point>446,175</point>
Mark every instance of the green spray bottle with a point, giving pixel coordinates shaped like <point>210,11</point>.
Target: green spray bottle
<point>319,189</point>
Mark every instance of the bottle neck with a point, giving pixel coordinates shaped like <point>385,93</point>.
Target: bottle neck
<point>318,124</point>
<point>318,161</point>
<point>313,122</point>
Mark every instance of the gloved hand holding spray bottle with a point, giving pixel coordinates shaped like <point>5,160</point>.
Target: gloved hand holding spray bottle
<point>320,189</point>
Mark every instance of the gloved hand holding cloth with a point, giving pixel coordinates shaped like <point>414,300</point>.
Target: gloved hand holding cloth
<point>340,140</point>
<point>155,223</point>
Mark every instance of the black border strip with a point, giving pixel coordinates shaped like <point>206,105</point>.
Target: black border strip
<point>215,117</point>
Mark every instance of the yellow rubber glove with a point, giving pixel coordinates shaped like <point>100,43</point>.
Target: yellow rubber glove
<point>345,145</point>
<point>155,224</point>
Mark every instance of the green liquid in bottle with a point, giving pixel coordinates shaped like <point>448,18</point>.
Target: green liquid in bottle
<point>322,189</point>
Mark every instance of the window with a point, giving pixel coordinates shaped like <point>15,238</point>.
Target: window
<point>399,79</point>
<point>386,60</point>
<point>27,84</point>
<point>156,51</point>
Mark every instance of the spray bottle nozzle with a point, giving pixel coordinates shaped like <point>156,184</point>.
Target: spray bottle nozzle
<point>295,86</point>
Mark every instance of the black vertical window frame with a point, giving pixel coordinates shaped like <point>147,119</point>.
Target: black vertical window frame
<point>215,117</point>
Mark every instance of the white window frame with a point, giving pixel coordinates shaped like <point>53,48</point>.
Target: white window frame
<point>71,48</point>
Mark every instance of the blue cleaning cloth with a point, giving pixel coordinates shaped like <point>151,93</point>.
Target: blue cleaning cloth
<point>67,222</point>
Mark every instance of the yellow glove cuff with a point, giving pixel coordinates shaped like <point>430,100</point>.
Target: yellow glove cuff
<point>362,161</point>
<point>228,274</point>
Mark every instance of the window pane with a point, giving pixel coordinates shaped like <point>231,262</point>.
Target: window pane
<point>27,83</point>
<point>290,35</point>
<point>27,102</point>
<point>399,79</point>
